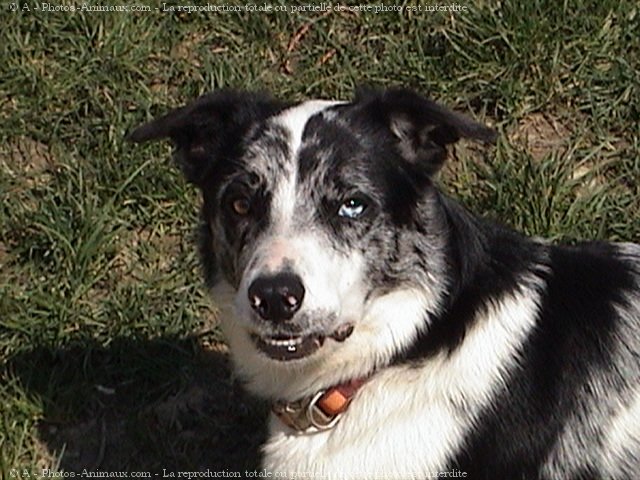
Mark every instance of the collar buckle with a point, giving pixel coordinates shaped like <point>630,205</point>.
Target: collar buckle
<point>317,417</point>
<point>318,412</point>
<point>306,414</point>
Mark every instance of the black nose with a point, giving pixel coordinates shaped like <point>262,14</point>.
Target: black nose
<point>276,298</point>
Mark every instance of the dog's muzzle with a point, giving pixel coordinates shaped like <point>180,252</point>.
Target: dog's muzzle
<point>275,299</point>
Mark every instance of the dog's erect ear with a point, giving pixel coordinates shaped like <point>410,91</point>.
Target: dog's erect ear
<point>208,129</point>
<point>423,128</point>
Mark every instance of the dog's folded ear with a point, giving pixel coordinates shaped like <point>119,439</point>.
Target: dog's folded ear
<point>423,128</point>
<point>208,129</point>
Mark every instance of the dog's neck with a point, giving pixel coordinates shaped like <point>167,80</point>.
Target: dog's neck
<point>320,411</point>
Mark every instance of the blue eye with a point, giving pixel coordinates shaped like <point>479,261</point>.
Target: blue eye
<point>352,208</point>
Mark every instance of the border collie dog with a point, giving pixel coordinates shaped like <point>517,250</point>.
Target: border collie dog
<point>396,334</point>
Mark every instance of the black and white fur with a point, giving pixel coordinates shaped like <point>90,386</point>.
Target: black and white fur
<point>489,353</point>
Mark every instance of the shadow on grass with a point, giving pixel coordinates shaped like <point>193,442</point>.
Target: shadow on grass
<point>139,405</point>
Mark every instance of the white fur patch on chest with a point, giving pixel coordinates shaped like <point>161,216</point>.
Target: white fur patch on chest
<point>408,420</point>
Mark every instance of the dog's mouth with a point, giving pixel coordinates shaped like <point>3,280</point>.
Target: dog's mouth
<point>292,347</point>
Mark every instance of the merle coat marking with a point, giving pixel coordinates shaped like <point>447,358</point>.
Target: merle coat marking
<point>491,353</point>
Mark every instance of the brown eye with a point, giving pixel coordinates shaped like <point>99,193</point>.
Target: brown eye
<point>241,206</point>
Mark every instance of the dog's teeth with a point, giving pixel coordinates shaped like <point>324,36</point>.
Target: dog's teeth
<point>291,348</point>
<point>289,342</point>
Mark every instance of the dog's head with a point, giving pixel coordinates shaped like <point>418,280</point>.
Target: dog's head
<point>321,216</point>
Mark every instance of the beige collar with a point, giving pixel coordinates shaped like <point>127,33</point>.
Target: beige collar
<point>318,412</point>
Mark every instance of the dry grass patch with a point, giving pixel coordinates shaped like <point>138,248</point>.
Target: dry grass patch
<point>28,160</point>
<point>541,135</point>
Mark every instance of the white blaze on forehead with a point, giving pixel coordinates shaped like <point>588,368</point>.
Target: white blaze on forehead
<point>294,121</point>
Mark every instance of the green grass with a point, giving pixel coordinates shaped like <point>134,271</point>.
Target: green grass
<point>110,354</point>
